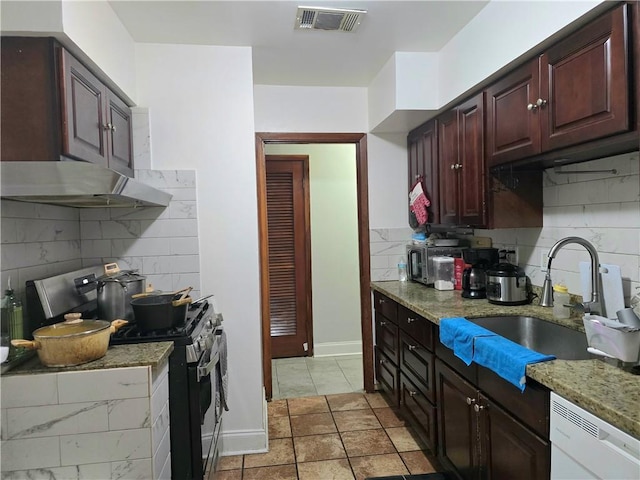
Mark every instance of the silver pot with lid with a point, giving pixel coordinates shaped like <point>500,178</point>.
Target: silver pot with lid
<point>507,284</point>
<point>115,290</point>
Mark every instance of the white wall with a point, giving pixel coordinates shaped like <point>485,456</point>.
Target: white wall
<point>200,101</point>
<point>335,273</point>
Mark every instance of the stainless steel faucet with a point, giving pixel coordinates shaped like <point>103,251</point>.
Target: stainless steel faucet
<point>595,305</point>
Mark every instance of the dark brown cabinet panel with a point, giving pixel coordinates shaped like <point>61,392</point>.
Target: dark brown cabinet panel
<point>387,377</point>
<point>448,164</point>
<point>458,428</point>
<point>575,92</point>
<point>461,159</point>
<point>511,450</point>
<point>417,326</point>
<point>387,307</point>
<point>423,163</point>
<point>387,337</point>
<point>53,107</point>
<point>419,410</point>
<point>417,363</point>
<point>512,129</point>
<point>585,81</point>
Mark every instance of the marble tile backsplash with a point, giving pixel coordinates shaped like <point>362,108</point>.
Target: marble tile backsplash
<point>39,240</point>
<point>387,246</point>
<point>602,207</point>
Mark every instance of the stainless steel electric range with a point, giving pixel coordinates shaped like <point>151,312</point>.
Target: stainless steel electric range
<point>197,366</point>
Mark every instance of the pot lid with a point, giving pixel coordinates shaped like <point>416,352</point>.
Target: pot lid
<point>74,328</point>
<point>506,270</point>
<point>123,276</point>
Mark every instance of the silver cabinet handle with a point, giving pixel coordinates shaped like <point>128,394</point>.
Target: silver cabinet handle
<point>458,166</point>
<point>477,407</point>
<point>411,348</point>
<point>382,324</point>
<point>381,301</point>
<point>113,127</point>
<point>541,103</point>
<point>532,106</point>
<point>412,393</point>
<point>411,320</point>
<point>471,401</point>
<point>382,362</point>
<point>107,126</point>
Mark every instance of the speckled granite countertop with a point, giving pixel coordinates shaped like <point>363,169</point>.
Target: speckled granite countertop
<point>608,392</point>
<point>153,354</point>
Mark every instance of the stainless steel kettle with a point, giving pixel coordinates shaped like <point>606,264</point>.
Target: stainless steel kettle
<point>115,289</point>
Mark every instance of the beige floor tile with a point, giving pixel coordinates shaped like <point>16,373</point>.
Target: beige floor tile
<point>389,417</point>
<point>356,420</point>
<point>404,440</point>
<point>326,469</point>
<point>232,462</point>
<point>279,427</point>
<point>417,462</point>
<point>312,424</point>
<point>367,442</point>
<point>318,447</point>
<point>376,400</point>
<point>226,475</point>
<point>277,408</point>
<point>306,405</point>
<point>279,472</point>
<point>280,453</point>
<point>378,466</point>
<point>347,401</point>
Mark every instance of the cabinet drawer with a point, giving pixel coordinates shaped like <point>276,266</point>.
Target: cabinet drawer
<point>387,337</point>
<point>531,407</point>
<point>420,412</point>
<point>387,378</point>
<point>386,306</point>
<point>417,363</point>
<point>418,327</point>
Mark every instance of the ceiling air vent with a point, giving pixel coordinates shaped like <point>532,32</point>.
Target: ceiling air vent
<point>322,18</point>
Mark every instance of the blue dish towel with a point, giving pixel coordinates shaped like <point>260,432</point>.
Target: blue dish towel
<point>506,358</point>
<point>458,334</point>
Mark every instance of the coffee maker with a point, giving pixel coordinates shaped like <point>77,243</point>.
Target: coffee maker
<point>474,278</point>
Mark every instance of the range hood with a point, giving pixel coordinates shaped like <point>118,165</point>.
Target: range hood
<point>75,184</point>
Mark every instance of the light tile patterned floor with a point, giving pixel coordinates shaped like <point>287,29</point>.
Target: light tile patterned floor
<point>341,437</point>
<point>309,376</point>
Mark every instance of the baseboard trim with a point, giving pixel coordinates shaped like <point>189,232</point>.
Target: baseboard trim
<point>329,349</point>
<point>241,442</point>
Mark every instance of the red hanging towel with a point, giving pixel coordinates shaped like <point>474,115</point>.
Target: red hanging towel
<point>418,202</point>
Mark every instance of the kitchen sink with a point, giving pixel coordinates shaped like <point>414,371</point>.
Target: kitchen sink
<point>539,335</point>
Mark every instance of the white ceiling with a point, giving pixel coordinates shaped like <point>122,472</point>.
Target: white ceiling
<point>284,56</point>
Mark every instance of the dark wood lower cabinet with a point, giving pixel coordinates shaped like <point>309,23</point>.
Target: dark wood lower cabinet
<point>479,440</point>
<point>387,377</point>
<point>418,411</point>
<point>459,431</point>
<point>510,449</point>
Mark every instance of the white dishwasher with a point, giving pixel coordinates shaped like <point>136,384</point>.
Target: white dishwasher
<point>585,447</point>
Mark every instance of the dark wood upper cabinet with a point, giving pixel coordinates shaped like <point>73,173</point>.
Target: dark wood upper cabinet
<point>54,108</point>
<point>575,92</point>
<point>423,162</point>
<point>461,160</point>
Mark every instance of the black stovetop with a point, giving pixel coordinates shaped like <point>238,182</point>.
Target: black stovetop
<point>182,334</point>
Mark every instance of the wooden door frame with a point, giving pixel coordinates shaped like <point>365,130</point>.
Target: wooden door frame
<point>360,141</point>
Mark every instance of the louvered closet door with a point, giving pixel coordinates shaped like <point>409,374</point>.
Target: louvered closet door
<point>289,264</point>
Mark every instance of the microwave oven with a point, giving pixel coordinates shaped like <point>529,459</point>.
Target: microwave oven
<point>420,264</point>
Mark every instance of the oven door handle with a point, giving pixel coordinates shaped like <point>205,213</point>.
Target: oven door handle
<point>206,369</point>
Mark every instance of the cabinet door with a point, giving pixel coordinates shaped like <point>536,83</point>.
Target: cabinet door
<point>472,170</point>
<point>119,136</point>
<point>417,363</point>
<point>84,130</point>
<point>387,337</point>
<point>421,412</point>
<point>387,378</point>
<point>511,450</point>
<point>584,79</point>
<point>513,130</point>
<point>448,167</point>
<point>386,306</point>
<point>458,429</point>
